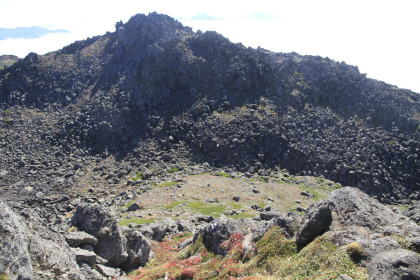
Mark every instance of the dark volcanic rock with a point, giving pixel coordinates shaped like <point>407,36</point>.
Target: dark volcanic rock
<point>97,221</point>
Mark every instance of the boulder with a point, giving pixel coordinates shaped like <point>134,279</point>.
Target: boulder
<point>30,250</point>
<point>316,221</point>
<point>85,256</point>
<point>218,231</point>
<point>395,265</point>
<point>97,221</point>
<point>77,238</point>
<point>160,228</point>
<point>351,215</point>
<point>14,255</point>
<point>138,249</point>
<point>134,207</point>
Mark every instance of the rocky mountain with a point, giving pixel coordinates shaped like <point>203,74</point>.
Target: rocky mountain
<point>113,119</point>
<point>155,83</point>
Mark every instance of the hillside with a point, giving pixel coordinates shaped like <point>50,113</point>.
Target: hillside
<point>179,123</point>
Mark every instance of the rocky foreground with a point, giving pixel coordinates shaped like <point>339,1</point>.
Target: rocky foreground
<point>164,153</point>
<point>377,242</point>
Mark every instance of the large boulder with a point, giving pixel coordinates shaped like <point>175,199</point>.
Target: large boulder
<point>97,221</point>
<point>161,227</point>
<point>77,238</point>
<point>30,250</point>
<point>218,231</point>
<point>316,221</point>
<point>395,265</point>
<point>352,219</point>
<point>14,255</point>
<point>138,249</point>
<point>354,216</point>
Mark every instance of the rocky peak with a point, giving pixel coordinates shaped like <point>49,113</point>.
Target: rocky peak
<point>142,30</point>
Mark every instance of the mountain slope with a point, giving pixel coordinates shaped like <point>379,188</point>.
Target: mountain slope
<point>155,92</point>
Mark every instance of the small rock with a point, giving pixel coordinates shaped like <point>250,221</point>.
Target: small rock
<point>77,238</point>
<point>85,256</point>
<point>134,206</point>
<point>108,271</point>
<point>300,209</point>
<point>236,198</point>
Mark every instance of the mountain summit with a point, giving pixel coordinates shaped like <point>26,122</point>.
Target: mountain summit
<point>155,93</point>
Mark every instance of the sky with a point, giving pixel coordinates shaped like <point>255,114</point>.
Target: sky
<point>380,37</point>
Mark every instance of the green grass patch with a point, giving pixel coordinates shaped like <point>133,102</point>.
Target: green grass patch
<point>128,204</point>
<point>173,170</point>
<point>166,184</point>
<point>192,250</point>
<point>274,244</point>
<point>4,276</point>
<point>6,112</point>
<point>207,209</point>
<point>139,176</point>
<point>225,175</point>
<point>264,179</point>
<point>137,221</point>
<point>236,206</point>
<point>173,204</point>
<point>317,195</point>
<point>278,257</point>
<point>393,142</point>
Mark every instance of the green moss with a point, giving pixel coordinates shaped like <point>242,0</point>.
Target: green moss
<point>137,221</point>
<point>405,244</point>
<point>139,176</point>
<point>128,204</point>
<point>6,112</point>
<point>207,209</point>
<point>166,184</point>
<point>320,260</point>
<point>173,204</point>
<point>236,206</point>
<point>225,175</point>
<point>4,276</point>
<point>192,250</point>
<point>317,195</point>
<point>274,244</point>
<point>391,142</point>
<point>173,170</point>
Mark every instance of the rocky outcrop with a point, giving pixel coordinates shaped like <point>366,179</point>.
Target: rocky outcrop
<point>30,250</point>
<point>138,249</point>
<point>108,241</point>
<point>362,225</point>
<point>395,265</point>
<point>353,214</point>
<point>97,221</point>
<point>14,245</point>
<point>218,231</point>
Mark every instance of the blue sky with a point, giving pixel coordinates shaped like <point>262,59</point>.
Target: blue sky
<point>380,37</point>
